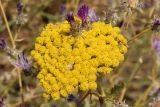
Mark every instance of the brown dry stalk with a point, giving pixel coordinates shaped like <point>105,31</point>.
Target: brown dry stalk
<point>7,25</point>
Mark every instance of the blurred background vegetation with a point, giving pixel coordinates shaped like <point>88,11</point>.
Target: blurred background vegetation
<point>135,82</point>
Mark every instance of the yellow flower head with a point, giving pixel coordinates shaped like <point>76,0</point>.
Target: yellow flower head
<point>70,62</point>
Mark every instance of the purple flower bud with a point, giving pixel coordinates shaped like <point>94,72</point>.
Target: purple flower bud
<point>92,15</point>
<point>23,63</point>
<point>156,24</point>
<point>62,9</point>
<point>71,98</point>
<point>2,44</point>
<point>19,7</point>
<point>70,18</point>
<point>156,44</point>
<point>83,13</point>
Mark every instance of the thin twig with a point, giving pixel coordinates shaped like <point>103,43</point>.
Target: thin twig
<point>83,97</point>
<point>7,25</point>
<point>90,99</point>
<point>143,96</point>
<point>122,94</point>
<point>134,72</point>
<point>16,35</point>
<point>27,99</point>
<point>101,98</point>
<point>128,16</point>
<point>138,35</point>
<point>20,85</point>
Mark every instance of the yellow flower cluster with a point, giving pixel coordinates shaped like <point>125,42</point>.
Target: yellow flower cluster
<point>69,62</point>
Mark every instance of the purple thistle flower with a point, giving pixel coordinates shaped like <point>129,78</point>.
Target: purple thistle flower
<point>156,44</point>
<point>92,15</point>
<point>2,44</point>
<point>83,13</point>
<point>70,18</point>
<point>19,7</point>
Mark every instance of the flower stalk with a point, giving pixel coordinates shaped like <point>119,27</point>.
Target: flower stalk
<point>7,25</point>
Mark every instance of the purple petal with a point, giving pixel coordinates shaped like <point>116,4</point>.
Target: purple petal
<point>92,15</point>
<point>2,44</point>
<point>156,24</point>
<point>19,7</point>
<point>83,13</point>
<point>23,63</point>
<point>156,44</point>
<point>70,18</point>
<point>71,98</point>
<point>16,64</point>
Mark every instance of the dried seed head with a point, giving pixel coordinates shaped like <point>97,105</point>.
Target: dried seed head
<point>112,17</point>
<point>21,19</point>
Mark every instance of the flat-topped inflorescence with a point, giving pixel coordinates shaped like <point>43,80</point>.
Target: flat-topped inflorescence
<point>69,63</point>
